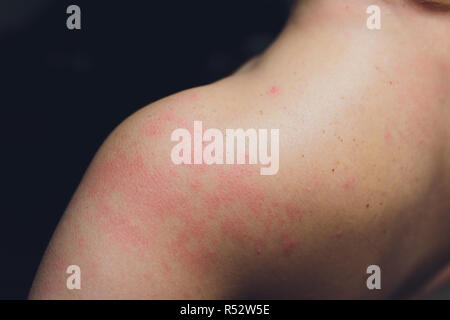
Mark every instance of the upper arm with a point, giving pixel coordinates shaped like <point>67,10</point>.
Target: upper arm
<point>131,225</point>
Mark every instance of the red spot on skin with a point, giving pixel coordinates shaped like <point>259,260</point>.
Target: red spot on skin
<point>155,126</point>
<point>192,97</point>
<point>196,185</point>
<point>259,246</point>
<point>196,259</point>
<point>387,136</point>
<point>147,276</point>
<point>338,235</point>
<point>133,200</point>
<point>314,184</point>
<point>59,264</point>
<point>185,96</point>
<point>237,205</point>
<point>47,288</point>
<point>128,234</point>
<point>273,219</point>
<point>81,245</point>
<point>349,183</point>
<point>294,214</point>
<point>274,91</point>
<point>232,188</point>
<point>200,169</point>
<point>166,267</point>
<point>236,229</point>
<point>288,245</point>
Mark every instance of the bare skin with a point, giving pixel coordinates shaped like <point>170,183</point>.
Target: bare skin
<point>364,178</point>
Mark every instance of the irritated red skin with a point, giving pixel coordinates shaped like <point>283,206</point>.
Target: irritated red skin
<point>175,217</point>
<point>133,200</point>
<point>288,245</point>
<point>274,91</point>
<point>350,183</point>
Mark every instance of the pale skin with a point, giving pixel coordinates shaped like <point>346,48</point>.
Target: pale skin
<point>364,178</point>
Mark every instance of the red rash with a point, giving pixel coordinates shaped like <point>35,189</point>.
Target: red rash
<point>134,202</point>
<point>387,136</point>
<point>288,245</point>
<point>156,125</point>
<point>350,183</point>
<point>127,195</point>
<point>274,91</point>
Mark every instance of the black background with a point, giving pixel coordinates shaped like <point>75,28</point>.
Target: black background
<point>62,92</point>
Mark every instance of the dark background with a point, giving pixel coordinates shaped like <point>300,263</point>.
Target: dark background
<point>62,92</point>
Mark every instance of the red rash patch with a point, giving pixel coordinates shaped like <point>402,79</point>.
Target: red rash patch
<point>387,136</point>
<point>134,200</point>
<point>274,91</point>
<point>155,126</point>
<point>294,214</point>
<point>127,195</point>
<point>349,183</point>
<point>288,245</point>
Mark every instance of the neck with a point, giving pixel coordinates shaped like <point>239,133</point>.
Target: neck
<point>326,38</point>
<point>326,44</point>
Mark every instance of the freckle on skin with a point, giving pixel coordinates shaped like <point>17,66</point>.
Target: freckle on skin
<point>368,206</point>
